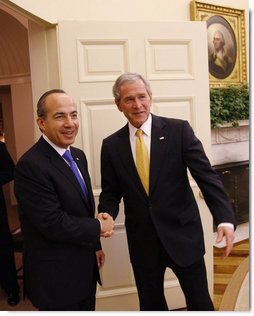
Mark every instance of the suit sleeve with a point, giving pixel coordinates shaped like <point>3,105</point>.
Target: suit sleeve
<point>6,165</point>
<point>110,196</point>
<point>207,179</point>
<point>41,207</point>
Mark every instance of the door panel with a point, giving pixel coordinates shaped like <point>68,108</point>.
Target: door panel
<point>173,57</point>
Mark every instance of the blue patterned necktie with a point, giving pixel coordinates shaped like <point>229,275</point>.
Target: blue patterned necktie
<point>67,156</point>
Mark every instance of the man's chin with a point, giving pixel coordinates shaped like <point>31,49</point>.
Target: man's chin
<point>68,143</point>
<point>138,121</point>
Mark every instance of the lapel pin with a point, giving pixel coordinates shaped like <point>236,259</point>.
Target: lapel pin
<point>77,159</point>
<point>161,137</point>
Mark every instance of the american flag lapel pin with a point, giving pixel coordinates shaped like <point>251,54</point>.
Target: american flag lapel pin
<point>161,138</point>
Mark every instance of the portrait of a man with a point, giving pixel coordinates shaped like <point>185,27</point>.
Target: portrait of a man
<point>221,47</point>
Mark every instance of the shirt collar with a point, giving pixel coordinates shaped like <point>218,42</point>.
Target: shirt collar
<point>146,127</point>
<point>60,150</point>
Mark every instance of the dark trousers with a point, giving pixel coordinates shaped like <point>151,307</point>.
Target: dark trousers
<point>193,281</point>
<point>8,274</point>
<point>87,304</point>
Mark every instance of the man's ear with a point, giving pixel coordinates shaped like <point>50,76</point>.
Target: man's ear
<point>118,105</point>
<point>40,123</point>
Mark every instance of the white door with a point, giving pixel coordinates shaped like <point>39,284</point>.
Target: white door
<point>173,57</point>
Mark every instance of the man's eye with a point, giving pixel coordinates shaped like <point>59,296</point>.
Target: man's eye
<point>74,116</point>
<point>128,101</point>
<point>59,117</point>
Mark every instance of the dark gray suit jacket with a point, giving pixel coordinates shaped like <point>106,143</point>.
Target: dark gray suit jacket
<point>59,229</point>
<point>170,213</point>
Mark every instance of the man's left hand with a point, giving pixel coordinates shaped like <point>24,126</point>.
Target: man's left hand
<point>228,233</point>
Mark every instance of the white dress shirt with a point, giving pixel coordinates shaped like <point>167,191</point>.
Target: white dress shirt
<point>61,151</point>
<point>146,128</point>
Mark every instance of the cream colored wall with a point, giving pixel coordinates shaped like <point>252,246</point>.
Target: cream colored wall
<point>120,10</point>
<point>99,10</point>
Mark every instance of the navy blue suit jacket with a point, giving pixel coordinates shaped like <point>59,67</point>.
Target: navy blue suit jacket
<point>170,213</point>
<point>60,232</point>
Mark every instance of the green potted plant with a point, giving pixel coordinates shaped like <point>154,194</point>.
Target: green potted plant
<point>229,104</point>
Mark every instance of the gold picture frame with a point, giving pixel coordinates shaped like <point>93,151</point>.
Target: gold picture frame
<point>226,30</point>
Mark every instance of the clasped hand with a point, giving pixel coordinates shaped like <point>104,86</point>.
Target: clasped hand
<point>107,224</point>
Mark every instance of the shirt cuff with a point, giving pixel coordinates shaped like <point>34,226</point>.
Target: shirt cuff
<point>230,225</point>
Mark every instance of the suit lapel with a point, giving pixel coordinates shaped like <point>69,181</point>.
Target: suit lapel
<point>85,175</point>
<point>125,153</point>
<point>58,162</point>
<point>159,140</point>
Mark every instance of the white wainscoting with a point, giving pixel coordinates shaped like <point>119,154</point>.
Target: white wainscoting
<point>230,144</point>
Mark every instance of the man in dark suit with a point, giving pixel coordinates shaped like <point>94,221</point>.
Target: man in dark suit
<point>8,275</point>
<point>163,225</point>
<point>61,235</point>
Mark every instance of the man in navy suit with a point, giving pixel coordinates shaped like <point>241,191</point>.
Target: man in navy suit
<point>62,250</point>
<point>163,226</point>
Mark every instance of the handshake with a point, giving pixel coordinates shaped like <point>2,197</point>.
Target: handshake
<point>107,224</point>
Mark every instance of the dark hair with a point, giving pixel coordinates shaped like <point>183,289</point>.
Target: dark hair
<point>129,77</point>
<point>41,103</point>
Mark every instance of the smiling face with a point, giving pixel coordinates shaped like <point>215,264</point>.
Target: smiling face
<point>60,123</point>
<point>135,102</point>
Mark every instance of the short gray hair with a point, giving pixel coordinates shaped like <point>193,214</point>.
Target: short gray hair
<point>129,77</point>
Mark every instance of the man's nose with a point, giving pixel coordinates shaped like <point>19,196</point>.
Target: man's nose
<point>137,103</point>
<point>68,120</point>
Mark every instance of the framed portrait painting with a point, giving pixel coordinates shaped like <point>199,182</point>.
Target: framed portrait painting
<point>226,42</point>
